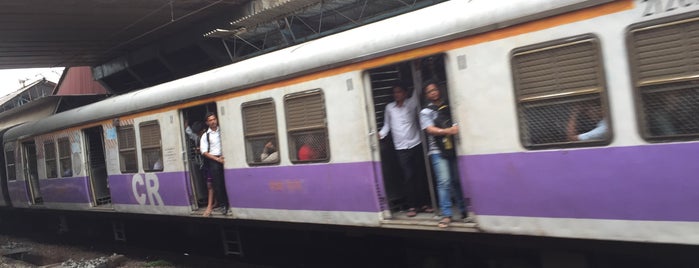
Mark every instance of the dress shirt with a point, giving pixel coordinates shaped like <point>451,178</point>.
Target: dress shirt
<point>401,121</point>
<point>215,140</point>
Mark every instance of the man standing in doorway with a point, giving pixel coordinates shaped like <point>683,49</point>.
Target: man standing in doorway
<point>400,118</point>
<point>210,146</point>
<point>435,119</point>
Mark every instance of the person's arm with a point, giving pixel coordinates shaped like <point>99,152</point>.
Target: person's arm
<point>597,133</point>
<point>213,157</point>
<point>571,129</point>
<point>427,124</point>
<point>414,101</point>
<point>203,143</point>
<point>266,156</point>
<point>190,133</point>
<point>435,131</point>
<point>269,158</point>
<point>386,123</point>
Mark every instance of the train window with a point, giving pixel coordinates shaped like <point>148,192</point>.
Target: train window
<point>64,157</point>
<point>127,149</point>
<point>665,70</point>
<point>10,161</point>
<point>560,91</point>
<point>260,128</point>
<point>50,159</point>
<point>151,147</point>
<point>306,126</point>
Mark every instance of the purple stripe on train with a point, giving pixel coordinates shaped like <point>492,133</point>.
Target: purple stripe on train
<point>18,191</point>
<point>333,187</point>
<point>65,190</point>
<point>651,182</point>
<point>326,187</point>
<point>158,189</point>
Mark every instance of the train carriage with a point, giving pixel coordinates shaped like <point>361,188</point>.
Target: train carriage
<point>145,164</point>
<point>338,187</point>
<point>515,73</point>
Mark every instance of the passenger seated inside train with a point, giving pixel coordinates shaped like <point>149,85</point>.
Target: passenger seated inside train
<point>310,149</point>
<point>158,165</point>
<point>269,152</point>
<point>67,172</point>
<point>586,114</point>
<point>666,112</point>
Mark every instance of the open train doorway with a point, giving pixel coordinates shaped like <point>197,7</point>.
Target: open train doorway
<point>31,172</point>
<point>96,166</point>
<point>193,127</point>
<point>408,181</point>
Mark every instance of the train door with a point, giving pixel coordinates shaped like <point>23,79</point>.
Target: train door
<point>418,192</point>
<point>5,166</point>
<point>31,172</point>
<point>194,125</point>
<point>97,166</point>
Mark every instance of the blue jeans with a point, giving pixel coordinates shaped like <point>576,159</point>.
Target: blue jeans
<point>448,184</point>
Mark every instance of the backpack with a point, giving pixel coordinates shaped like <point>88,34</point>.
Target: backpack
<point>443,120</point>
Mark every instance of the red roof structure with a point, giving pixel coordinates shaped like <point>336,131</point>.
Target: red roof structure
<point>78,81</point>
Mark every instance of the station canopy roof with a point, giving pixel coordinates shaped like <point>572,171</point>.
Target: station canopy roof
<point>132,44</point>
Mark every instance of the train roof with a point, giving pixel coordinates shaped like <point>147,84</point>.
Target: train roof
<point>418,28</point>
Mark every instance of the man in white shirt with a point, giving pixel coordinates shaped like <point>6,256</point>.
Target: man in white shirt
<point>210,146</point>
<point>400,118</point>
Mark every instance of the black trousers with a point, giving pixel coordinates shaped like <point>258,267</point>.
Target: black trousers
<point>219,184</point>
<point>414,183</point>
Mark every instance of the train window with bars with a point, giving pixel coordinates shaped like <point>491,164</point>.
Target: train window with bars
<point>10,162</point>
<point>50,159</point>
<point>151,146</point>
<point>260,128</point>
<point>664,59</point>
<point>127,149</point>
<point>561,95</point>
<point>64,157</point>
<point>306,127</point>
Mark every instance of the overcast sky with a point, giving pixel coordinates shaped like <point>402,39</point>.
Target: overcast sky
<point>10,78</point>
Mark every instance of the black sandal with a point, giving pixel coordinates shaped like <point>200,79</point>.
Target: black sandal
<point>427,209</point>
<point>412,212</point>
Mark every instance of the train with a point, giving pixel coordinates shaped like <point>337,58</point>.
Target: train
<point>513,73</point>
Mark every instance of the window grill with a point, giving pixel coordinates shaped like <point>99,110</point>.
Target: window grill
<point>50,159</point>
<point>664,60</point>
<point>306,126</point>
<point>382,81</point>
<point>64,157</point>
<point>260,128</point>
<point>127,149</point>
<point>11,168</point>
<point>560,92</point>
<point>151,147</point>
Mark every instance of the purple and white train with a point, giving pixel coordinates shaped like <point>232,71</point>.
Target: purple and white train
<point>512,70</point>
